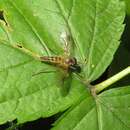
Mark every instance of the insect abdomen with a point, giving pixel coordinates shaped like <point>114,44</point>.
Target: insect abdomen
<point>51,59</point>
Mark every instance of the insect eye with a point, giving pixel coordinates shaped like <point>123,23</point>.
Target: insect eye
<point>71,62</point>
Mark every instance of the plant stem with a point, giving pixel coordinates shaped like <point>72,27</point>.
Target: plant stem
<point>99,87</point>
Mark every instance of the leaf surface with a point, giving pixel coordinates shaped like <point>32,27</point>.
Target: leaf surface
<point>27,97</point>
<point>94,28</point>
<point>109,110</point>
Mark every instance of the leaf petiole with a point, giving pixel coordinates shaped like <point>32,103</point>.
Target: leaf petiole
<point>101,86</point>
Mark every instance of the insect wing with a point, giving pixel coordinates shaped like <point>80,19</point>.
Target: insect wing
<point>67,43</point>
<point>63,81</point>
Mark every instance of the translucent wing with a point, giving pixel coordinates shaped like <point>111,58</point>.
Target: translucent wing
<point>65,80</point>
<point>67,43</point>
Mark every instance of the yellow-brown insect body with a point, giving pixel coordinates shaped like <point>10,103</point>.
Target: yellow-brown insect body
<point>66,63</point>
<point>56,60</point>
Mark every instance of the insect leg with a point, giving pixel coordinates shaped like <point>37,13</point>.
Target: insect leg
<point>45,71</point>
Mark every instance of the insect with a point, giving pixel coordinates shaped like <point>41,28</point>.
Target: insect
<point>65,62</point>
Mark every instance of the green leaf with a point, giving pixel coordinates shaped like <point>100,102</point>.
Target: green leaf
<point>94,27</point>
<point>37,28</point>
<point>108,111</point>
<point>34,24</point>
<point>100,33</point>
<point>28,97</point>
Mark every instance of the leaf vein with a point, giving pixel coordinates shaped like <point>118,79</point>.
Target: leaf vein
<point>69,28</point>
<point>114,114</point>
<point>31,26</point>
<point>17,65</point>
<point>92,41</point>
